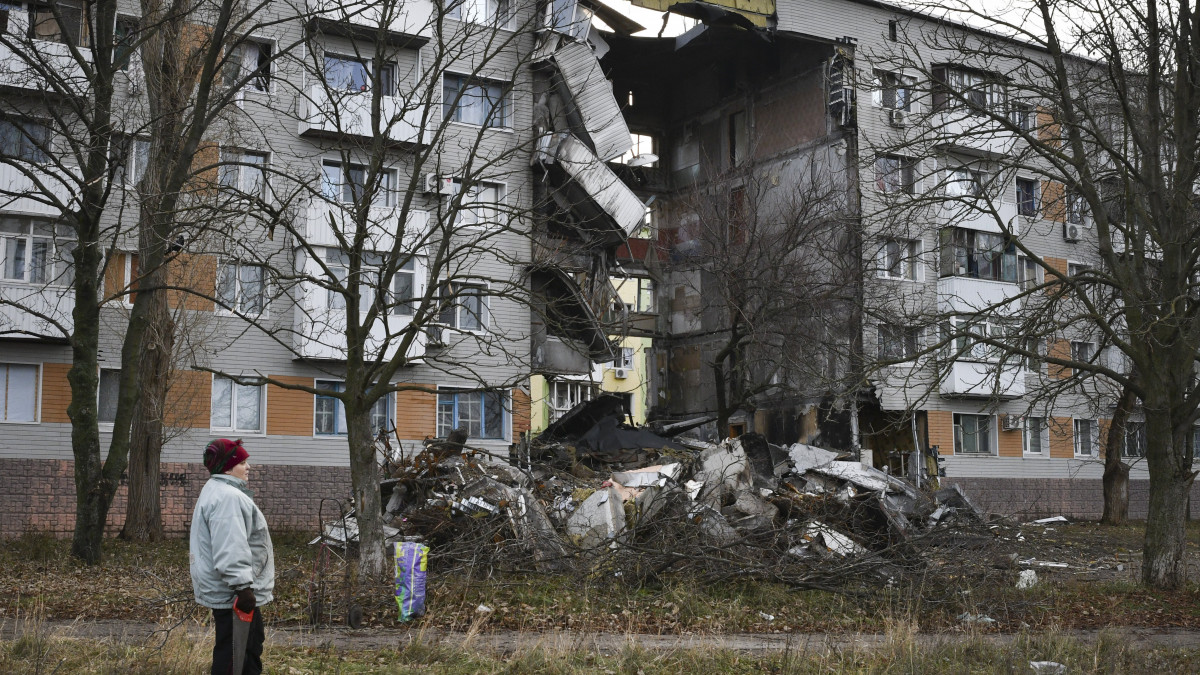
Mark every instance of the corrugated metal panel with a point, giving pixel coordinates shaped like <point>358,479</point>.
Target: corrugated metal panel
<point>601,184</point>
<point>592,96</point>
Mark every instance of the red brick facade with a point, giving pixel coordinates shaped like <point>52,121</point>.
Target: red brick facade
<point>39,495</point>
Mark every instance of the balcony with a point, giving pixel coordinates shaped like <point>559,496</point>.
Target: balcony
<point>591,95</point>
<point>599,199</point>
<point>326,220</point>
<point>970,134</point>
<point>24,318</point>
<point>14,183</point>
<point>333,114</point>
<point>977,215</point>
<point>964,295</point>
<point>15,71</point>
<point>980,379</point>
<point>410,26</point>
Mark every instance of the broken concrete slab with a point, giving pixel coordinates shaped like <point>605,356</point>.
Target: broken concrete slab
<point>833,541</point>
<point>866,477</point>
<point>598,518</point>
<point>723,469</point>
<point>804,457</point>
<point>713,525</point>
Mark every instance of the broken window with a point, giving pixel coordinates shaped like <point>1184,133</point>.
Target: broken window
<point>978,255</point>
<point>566,394</point>
<point>894,173</point>
<point>644,148</point>
<point>972,434</point>
<point>469,100</point>
<point>893,91</point>
<point>250,62</point>
<point>901,259</point>
<point>482,414</point>
<point>67,27</point>
<point>569,18</point>
<point>236,407</point>
<point>18,392</point>
<point>898,342</point>
<point>125,36</point>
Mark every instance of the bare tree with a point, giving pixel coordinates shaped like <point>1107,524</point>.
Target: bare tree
<point>1089,109</point>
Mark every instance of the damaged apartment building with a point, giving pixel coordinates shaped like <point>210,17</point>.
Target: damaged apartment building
<point>500,126</point>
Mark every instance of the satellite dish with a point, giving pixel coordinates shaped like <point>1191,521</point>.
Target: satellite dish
<point>643,160</point>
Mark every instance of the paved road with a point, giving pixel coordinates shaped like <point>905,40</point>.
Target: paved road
<point>504,642</point>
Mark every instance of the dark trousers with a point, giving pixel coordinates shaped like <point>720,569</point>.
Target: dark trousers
<point>223,651</point>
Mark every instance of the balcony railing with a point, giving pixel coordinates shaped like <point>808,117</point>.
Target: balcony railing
<point>982,379</point>
<point>25,305</point>
<point>328,219</point>
<point>15,184</point>
<point>329,112</point>
<point>971,134</point>
<point>408,18</point>
<point>965,295</point>
<point>16,71</point>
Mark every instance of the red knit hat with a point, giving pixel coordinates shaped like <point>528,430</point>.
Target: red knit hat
<point>223,454</point>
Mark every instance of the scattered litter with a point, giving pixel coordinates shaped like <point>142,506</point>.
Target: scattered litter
<point>1047,521</point>
<point>412,560</point>
<point>1033,562</point>
<point>483,609</point>
<point>1048,668</point>
<point>767,617</point>
<point>1027,579</point>
<point>967,617</point>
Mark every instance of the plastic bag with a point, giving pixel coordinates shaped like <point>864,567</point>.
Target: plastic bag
<point>412,558</point>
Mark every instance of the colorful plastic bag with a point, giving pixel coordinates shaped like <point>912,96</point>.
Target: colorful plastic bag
<point>412,558</point>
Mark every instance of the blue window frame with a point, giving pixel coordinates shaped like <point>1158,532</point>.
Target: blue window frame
<point>329,416</point>
<point>484,414</point>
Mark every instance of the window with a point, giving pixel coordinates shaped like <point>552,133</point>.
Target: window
<point>130,157</point>
<point>643,146</point>
<point>18,392</point>
<point>565,395</point>
<point>329,418</point>
<point>1035,439</point>
<point>481,413</point>
<point>894,173</point>
<point>1135,440</point>
<point>964,182</point>
<point>349,73</point>
<point>24,140</point>
<point>1029,273</point>
<point>1085,438</point>
<point>568,17</point>
<point>901,259</point>
<point>892,29</point>
<point>241,287</point>
<point>498,13</point>
<point>892,91</point>
<point>29,252</point>
<point>68,27</point>
<point>106,395</point>
<point>403,290</point>
<point>472,101</point>
<point>249,62</point>
<point>962,334</point>
<point>245,172</point>
<point>1075,208</point>
<point>125,36</point>
<point>1023,116</point>
<point>954,87</point>
<point>1027,197</point>
<point>624,359</point>
<point>1083,352</point>
<point>480,204</point>
<point>5,9</point>
<point>898,342</point>
<point>236,407</point>
<point>1033,346</point>
<point>464,306</point>
<point>972,434</point>
<point>645,295</point>
<point>347,183</point>
<point>978,255</point>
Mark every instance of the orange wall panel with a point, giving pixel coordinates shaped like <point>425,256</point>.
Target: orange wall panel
<point>941,431</point>
<point>1062,441</point>
<point>1059,349</point>
<point>290,411</point>
<point>1054,204</point>
<point>196,272</point>
<point>416,414</point>
<point>56,392</point>
<point>521,413</point>
<point>189,400</point>
<point>1009,444</point>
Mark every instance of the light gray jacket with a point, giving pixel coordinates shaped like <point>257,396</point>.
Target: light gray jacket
<point>230,546</point>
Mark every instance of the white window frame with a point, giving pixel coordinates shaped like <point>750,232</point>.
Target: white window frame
<point>905,334</point>
<point>389,84</point>
<point>243,71</point>
<point>911,260</point>
<point>1138,427</point>
<point>107,424</point>
<point>906,185</point>
<point>505,397</point>
<point>1039,274</point>
<point>1094,437</point>
<point>385,193</point>
<point>239,295</point>
<point>505,119</point>
<point>239,175</point>
<point>905,83</point>
<point>624,359</point>
<point>481,12</point>
<point>575,392</point>
<point>1037,189</point>
<point>1043,438</point>
<point>1092,351</point>
<point>28,149</point>
<point>484,316</point>
<point>6,394</point>
<point>137,148</point>
<point>234,396</point>
<point>958,435</point>
<point>56,269</point>
<point>474,210</point>
<point>388,402</point>
<point>960,175</point>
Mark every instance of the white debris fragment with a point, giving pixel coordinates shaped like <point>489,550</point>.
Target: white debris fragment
<point>1047,521</point>
<point>484,609</point>
<point>767,617</point>
<point>1027,579</point>
<point>1048,668</point>
<point>805,457</point>
<point>832,539</point>
<point>1034,562</point>
<point>967,617</point>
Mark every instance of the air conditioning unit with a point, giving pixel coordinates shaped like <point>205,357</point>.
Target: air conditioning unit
<point>898,118</point>
<point>620,373</point>
<point>1012,422</point>
<point>1070,232</point>
<point>438,185</point>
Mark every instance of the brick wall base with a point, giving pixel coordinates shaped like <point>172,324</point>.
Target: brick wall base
<point>1040,497</point>
<point>39,495</point>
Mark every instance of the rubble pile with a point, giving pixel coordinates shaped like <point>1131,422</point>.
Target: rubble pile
<point>592,485</point>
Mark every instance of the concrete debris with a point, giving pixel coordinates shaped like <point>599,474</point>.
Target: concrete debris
<point>593,483</point>
<point>1026,579</point>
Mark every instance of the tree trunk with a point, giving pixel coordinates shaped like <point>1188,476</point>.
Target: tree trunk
<point>1116,472</point>
<point>91,492</point>
<point>143,518</point>
<point>364,474</point>
<point>1163,564</point>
